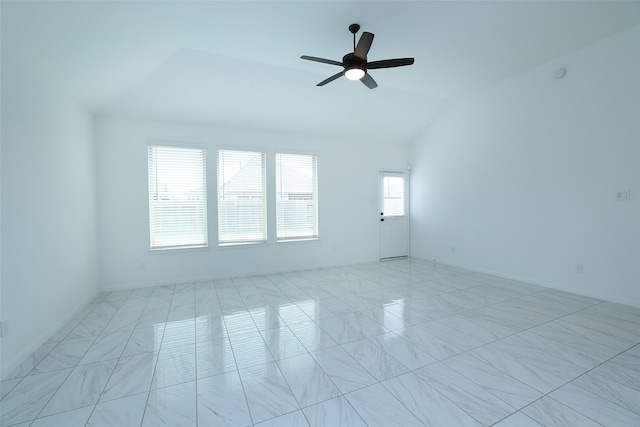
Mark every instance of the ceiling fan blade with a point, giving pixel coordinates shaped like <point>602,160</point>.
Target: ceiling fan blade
<point>364,44</point>
<point>390,63</point>
<point>369,82</point>
<point>324,61</point>
<point>330,79</point>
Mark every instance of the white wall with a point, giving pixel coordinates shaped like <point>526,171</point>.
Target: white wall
<point>347,190</point>
<point>521,179</point>
<point>49,219</point>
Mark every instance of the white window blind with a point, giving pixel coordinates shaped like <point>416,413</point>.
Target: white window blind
<point>177,197</point>
<point>241,197</point>
<point>393,195</point>
<point>296,197</point>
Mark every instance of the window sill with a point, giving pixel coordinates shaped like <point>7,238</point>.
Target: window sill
<point>158,251</point>
<point>241,244</point>
<point>310,239</point>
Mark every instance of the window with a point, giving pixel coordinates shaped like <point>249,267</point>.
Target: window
<point>296,197</point>
<point>241,197</point>
<point>393,195</point>
<point>177,197</point>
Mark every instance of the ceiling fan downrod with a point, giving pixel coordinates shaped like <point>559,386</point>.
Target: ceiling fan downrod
<point>354,28</point>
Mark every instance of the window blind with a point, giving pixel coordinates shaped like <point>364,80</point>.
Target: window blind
<point>296,197</point>
<point>177,197</point>
<point>241,197</point>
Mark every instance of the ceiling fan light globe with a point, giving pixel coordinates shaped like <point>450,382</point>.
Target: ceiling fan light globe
<point>354,73</point>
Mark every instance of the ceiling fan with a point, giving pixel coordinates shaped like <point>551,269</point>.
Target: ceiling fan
<point>355,64</point>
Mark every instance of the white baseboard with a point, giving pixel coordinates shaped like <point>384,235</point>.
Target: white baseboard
<point>51,329</point>
<point>246,273</point>
<point>533,281</point>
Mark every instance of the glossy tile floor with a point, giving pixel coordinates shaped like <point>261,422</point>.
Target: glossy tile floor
<point>400,343</point>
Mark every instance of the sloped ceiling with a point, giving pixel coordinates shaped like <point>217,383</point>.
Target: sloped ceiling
<point>237,63</point>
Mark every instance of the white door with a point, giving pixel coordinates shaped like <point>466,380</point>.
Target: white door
<point>394,222</point>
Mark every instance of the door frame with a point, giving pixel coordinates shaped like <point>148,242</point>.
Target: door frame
<point>407,203</point>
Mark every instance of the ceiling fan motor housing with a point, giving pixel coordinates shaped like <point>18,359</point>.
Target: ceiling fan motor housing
<point>352,61</point>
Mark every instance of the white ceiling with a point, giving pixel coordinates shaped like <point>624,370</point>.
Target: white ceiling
<point>238,63</point>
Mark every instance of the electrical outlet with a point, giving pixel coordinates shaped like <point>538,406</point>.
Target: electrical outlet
<point>4,327</point>
<point>623,195</point>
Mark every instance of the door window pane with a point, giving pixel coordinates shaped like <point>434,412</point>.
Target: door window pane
<point>393,193</point>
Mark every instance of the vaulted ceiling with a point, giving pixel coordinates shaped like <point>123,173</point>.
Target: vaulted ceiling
<point>237,63</point>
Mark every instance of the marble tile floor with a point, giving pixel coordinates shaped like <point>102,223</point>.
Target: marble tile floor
<point>398,343</point>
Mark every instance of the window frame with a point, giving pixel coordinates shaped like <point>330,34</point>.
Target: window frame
<point>204,220</point>
<point>219,193</point>
<point>314,194</point>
